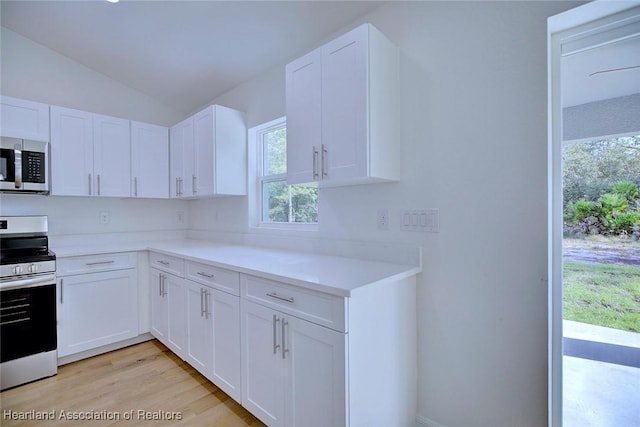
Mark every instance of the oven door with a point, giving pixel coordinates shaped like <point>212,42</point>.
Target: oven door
<point>27,317</point>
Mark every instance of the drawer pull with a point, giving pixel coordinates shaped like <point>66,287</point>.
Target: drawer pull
<point>281,298</point>
<point>163,262</point>
<point>100,262</point>
<point>203,274</point>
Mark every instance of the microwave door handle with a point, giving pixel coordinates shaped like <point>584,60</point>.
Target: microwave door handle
<point>18,170</point>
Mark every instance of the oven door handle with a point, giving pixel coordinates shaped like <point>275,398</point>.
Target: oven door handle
<point>29,282</point>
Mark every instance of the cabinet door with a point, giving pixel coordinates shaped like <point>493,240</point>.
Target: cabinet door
<point>225,370</point>
<point>159,307</point>
<point>97,309</point>
<point>304,133</point>
<point>316,377</point>
<point>230,139</point>
<point>344,105</point>
<point>24,119</point>
<point>263,368</point>
<point>177,330</point>
<point>111,156</point>
<point>199,348</point>
<point>71,152</point>
<point>149,160</point>
<point>181,159</point>
<point>204,153</point>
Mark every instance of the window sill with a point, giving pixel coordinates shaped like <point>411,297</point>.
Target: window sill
<point>273,228</point>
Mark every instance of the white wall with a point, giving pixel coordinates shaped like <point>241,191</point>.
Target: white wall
<point>474,141</point>
<point>31,71</point>
<point>34,72</point>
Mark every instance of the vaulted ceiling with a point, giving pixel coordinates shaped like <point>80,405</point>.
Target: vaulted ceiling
<point>186,53</point>
<point>182,53</point>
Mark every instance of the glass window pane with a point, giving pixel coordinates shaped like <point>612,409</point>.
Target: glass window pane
<point>274,147</point>
<point>288,203</point>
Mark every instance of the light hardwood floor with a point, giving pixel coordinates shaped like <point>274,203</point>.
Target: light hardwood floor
<point>143,382</point>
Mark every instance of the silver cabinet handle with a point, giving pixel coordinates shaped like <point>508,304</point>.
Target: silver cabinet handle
<point>177,187</point>
<point>90,184</point>
<point>160,285</point>
<point>61,291</point>
<point>280,297</point>
<point>202,309</point>
<point>285,350</point>
<point>135,186</point>
<point>315,163</point>
<point>203,274</point>
<point>194,184</point>
<point>275,334</point>
<point>99,263</point>
<point>98,184</point>
<point>163,262</point>
<point>207,311</point>
<point>324,157</point>
<point>163,283</point>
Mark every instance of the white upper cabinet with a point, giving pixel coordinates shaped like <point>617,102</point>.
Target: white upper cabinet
<point>111,156</point>
<point>149,160</point>
<point>304,109</point>
<point>181,158</point>
<point>24,119</point>
<point>342,111</point>
<point>90,154</point>
<point>71,152</point>
<point>209,154</point>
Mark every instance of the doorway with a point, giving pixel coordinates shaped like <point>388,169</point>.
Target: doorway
<point>592,30</point>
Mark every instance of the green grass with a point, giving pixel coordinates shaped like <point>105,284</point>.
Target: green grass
<point>602,294</point>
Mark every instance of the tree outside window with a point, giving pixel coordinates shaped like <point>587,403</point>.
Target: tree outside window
<point>282,203</point>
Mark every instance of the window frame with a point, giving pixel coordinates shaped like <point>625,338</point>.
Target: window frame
<point>259,179</point>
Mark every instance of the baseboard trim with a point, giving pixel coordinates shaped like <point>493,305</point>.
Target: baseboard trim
<point>422,421</point>
<point>104,349</point>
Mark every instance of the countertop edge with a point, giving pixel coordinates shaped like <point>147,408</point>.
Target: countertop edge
<point>163,247</point>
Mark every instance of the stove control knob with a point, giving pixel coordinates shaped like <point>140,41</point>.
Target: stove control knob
<point>17,269</point>
<point>33,268</point>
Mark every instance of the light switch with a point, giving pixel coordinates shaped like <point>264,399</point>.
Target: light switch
<point>426,220</point>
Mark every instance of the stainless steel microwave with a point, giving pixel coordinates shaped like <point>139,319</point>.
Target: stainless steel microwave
<point>24,166</point>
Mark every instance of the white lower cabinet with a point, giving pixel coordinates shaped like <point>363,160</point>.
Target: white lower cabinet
<point>294,356</point>
<point>96,306</point>
<point>168,315</point>
<point>159,307</point>
<point>213,340</point>
<point>197,321</point>
<point>225,367</point>
<point>293,370</point>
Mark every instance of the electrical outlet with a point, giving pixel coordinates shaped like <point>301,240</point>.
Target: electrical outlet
<point>180,217</point>
<point>105,218</point>
<point>383,219</point>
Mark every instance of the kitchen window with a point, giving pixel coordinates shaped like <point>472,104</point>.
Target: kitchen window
<point>278,204</point>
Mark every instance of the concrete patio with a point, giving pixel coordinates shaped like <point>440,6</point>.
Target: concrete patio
<point>595,392</point>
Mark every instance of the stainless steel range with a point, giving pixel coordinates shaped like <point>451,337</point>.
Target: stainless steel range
<point>28,348</point>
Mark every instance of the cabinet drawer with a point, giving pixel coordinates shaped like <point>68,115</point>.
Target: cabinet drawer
<point>317,307</point>
<point>225,280</point>
<point>167,263</point>
<point>93,263</point>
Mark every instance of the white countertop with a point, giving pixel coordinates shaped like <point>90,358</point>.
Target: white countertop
<point>335,275</point>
